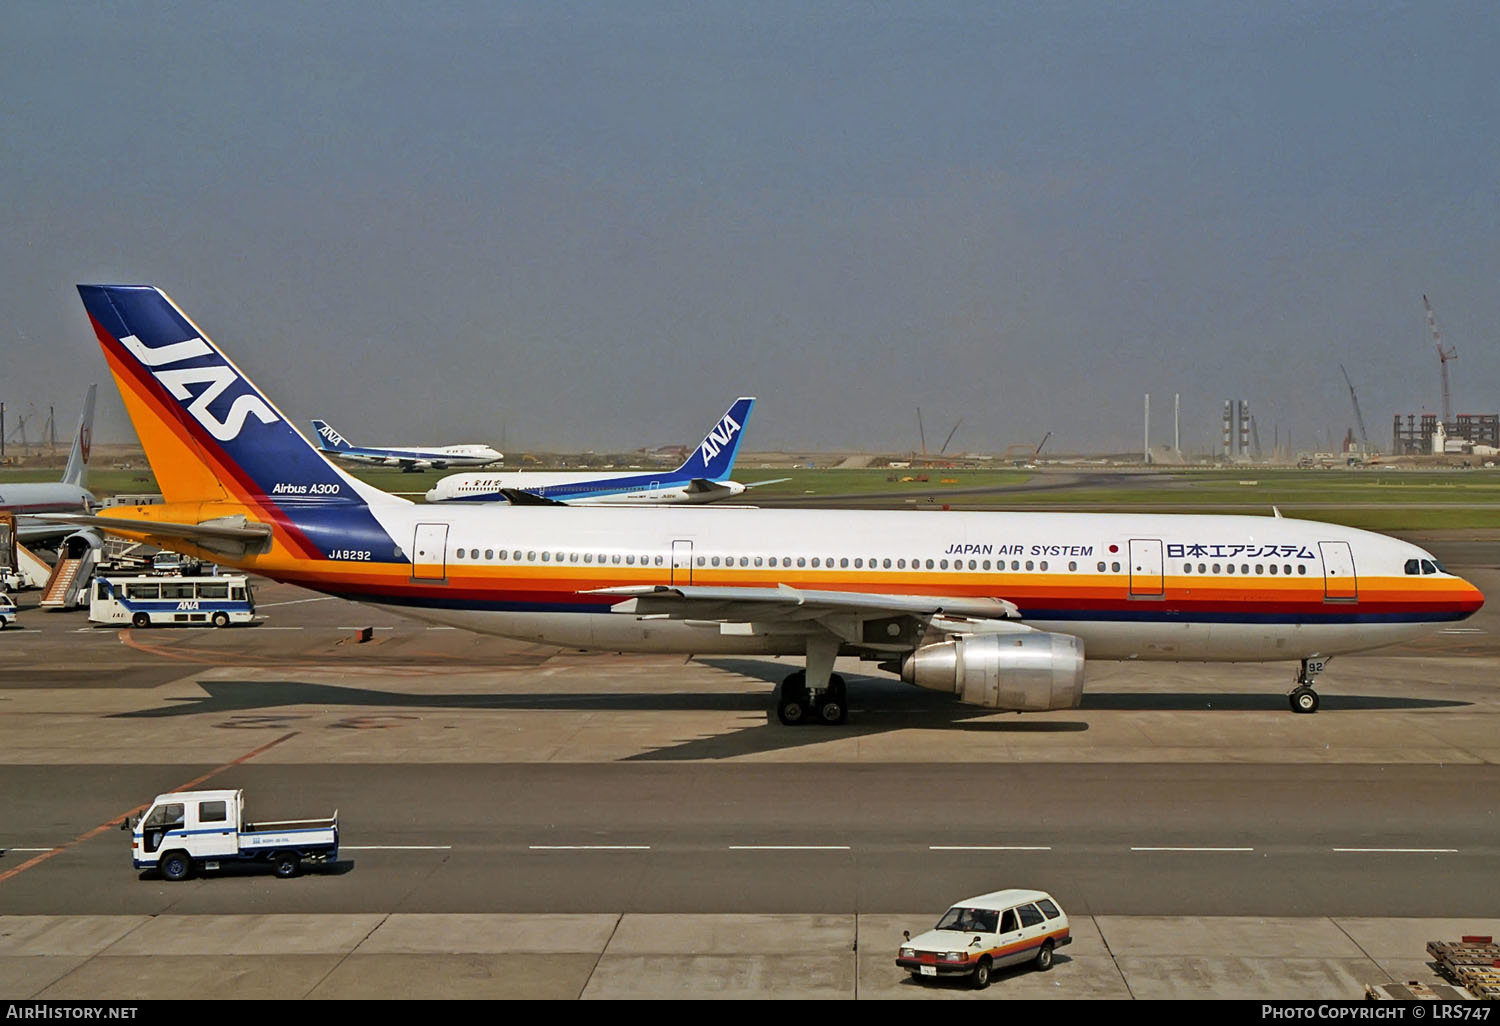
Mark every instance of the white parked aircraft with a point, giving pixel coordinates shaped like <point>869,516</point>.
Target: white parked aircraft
<point>996,608</point>
<point>68,495</point>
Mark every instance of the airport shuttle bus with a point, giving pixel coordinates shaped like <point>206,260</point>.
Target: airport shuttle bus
<point>172,601</point>
<point>994,608</point>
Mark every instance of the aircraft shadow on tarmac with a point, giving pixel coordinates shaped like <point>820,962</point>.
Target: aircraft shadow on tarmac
<point>878,705</point>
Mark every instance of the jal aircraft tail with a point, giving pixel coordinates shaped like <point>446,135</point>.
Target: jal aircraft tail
<point>77,470</point>
<point>714,458</point>
<point>211,436</point>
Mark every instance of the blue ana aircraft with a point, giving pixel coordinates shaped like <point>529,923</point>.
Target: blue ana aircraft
<point>408,459</point>
<point>996,608</point>
<point>71,494</point>
<point>703,476</point>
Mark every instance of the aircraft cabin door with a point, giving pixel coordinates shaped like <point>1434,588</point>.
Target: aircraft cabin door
<point>429,553</point>
<point>1339,581</point>
<point>682,562</point>
<point>1146,568</point>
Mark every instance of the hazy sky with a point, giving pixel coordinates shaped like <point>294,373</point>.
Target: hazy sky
<point>593,225</point>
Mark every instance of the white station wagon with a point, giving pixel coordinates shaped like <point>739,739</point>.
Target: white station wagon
<point>979,935</point>
<point>7,610</point>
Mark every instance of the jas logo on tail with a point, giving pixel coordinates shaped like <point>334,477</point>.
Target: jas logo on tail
<point>718,438</point>
<point>217,378</point>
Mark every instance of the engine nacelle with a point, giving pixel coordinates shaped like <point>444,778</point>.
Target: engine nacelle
<point>1030,672</point>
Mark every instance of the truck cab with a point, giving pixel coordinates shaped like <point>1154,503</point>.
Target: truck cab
<point>185,830</point>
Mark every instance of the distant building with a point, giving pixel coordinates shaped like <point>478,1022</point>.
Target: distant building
<point>1462,434</point>
<point>1236,430</point>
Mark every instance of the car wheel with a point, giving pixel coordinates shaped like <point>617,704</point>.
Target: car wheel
<point>1044,957</point>
<point>175,866</point>
<point>982,973</point>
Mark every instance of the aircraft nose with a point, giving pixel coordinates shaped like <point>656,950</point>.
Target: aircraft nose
<point>1471,599</point>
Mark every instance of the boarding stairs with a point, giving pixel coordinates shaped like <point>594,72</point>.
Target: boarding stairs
<point>69,577</point>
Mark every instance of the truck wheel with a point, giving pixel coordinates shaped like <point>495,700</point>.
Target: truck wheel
<point>287,866</point>
<point>1044,957</point>
<point>175,866</point>
<point>981,978</point>
<point>221,619</point>
<point>140,620</point>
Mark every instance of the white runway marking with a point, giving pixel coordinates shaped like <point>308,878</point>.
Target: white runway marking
<point>987,847</point>
<point>789,847</point>
<point>590,847</point>
<point>396,847</point>
<point>1190,849</point>
<point>1399,851</point>
<point>294,602</point>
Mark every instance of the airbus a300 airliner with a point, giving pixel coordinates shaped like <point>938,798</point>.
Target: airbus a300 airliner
<point>996,608</point>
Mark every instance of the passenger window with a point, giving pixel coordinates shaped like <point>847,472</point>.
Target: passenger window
<point>1030,565</point>
<point>801,561</point>
<point>1072,565</point>
<point>815,561</point>
<point>1029,916</point>
<point>858,563</point>
<point>1216,568</point>
<point>546,557</point>
<point>986,564</point>
<point>1260,568</point>
<point>1114,567</point>
<point>1273,568</point>
<point>1049,910</point>
<point>1186,569</point>
<point>1008,921</point>
<point>943,564</point>
<point>757,561</point>
<point>1043,565</point>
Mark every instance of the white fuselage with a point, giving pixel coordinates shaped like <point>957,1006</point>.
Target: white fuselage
<point>1210,588</point>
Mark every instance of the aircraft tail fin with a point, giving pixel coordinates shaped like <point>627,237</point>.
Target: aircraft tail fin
<point>77,471</point>
<point>208,432</point>
<point>329,439</point>
<point>714,458</point>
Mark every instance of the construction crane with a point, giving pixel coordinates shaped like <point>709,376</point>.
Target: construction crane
<point>950,436</point>
<point>1040,444</point>
<point>1364,436</point>
<point>1444,355</point>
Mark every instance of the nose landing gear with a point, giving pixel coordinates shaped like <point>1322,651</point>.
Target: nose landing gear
<point>1303,698</point>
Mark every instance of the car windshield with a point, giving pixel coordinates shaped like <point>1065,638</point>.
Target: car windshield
<point>969,920</point>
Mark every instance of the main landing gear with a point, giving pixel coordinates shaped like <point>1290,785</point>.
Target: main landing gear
<point>1303,698</point>
<point>816,694</point>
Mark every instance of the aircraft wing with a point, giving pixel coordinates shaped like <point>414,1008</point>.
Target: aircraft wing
<point>229,535</point>
<point>31,531</point>
<point>787,608</point>
<point>774,480</point>
<point>521,497</point>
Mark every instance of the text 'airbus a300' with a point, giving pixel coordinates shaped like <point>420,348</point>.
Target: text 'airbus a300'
<point>702,477</point>
<point>997,608</point>
<point>409,458</point>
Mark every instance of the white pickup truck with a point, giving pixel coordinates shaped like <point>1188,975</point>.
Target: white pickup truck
<point>186,830</point>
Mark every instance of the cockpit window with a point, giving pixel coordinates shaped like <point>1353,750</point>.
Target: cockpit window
<point>1413,566</point>
<point>1429,567</point>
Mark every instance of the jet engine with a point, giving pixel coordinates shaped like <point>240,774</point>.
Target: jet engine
<point>1030,672</point>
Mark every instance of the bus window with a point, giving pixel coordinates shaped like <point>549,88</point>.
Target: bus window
<point>177,590</point>
<point>143,591</point>
<point>213,591</point>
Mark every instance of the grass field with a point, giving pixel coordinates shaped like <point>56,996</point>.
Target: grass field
<point>1372,499</point>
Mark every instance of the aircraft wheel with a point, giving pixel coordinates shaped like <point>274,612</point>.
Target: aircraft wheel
<point>1304,700</point>
<point>791,700</point>
<point>833,703</point>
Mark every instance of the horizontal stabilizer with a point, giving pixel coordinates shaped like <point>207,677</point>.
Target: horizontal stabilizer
<point>231,535</point>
